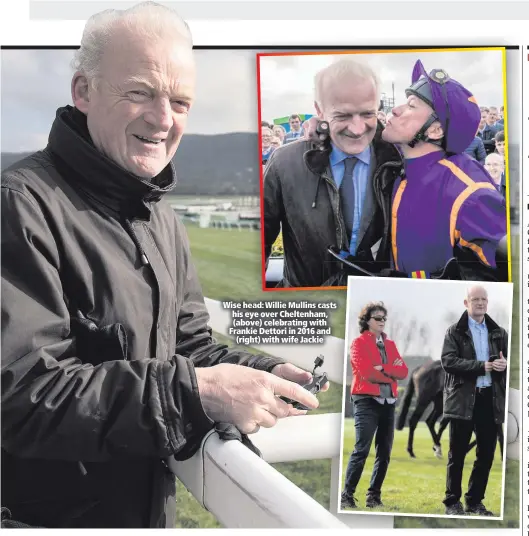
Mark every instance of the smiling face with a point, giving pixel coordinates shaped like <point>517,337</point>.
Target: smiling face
<point>349,104</point>
<point>266,136</point>
<point>138,111</point>
<point>495,165</point>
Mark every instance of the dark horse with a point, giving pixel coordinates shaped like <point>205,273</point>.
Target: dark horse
<point>427,382</point>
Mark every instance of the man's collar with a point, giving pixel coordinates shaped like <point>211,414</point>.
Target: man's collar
<point>337,155</point>
<point>472,322</point>
<point>99,176</point>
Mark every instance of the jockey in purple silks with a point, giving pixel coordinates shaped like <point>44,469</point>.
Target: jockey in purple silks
<point>445,204</point>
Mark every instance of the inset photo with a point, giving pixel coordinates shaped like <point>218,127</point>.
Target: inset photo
<point>425,404</point>
<point>383,163</point>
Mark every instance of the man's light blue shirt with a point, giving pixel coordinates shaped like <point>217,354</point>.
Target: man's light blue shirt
<point>361,175</point>
<point>480,336</point>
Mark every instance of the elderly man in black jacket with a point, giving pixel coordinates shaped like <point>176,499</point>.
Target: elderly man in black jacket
<point>336,195</point>
<point>108,363</point>
<point>474,359</point>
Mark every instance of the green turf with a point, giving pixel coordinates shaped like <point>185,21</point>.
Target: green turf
<point>229,268</point>
<point>416,485</point>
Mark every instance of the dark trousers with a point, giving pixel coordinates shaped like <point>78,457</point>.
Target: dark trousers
<point>371,420</point>
<point>486,430</point>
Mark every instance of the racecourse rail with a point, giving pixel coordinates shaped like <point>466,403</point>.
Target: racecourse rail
<point>243,491</point>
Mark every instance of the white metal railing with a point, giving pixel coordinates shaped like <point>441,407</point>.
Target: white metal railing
<point>243,491</point>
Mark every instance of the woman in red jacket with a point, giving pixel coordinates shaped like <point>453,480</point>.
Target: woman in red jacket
<point>377,366</point>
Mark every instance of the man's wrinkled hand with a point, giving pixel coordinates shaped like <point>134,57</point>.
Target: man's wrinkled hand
<point>249,398</point>
<point>499,365</point>
<point>489,366</point>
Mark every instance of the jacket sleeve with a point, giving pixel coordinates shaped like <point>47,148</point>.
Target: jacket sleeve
<point>272,205</point>
<point>194,336</point>
<point>398,372</point>
<point>504,349</point>
<point>481,154</point>
<point>453,364</point>
<point>362,365</point>
<point>53,405</point>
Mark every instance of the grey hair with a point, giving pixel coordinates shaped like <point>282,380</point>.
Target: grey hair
<point>341,69</point>
<point>147,18</point>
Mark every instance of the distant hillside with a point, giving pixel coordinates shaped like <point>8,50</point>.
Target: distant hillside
<point>207,165</point>
<point>228,164</point>
<point>11,158</point>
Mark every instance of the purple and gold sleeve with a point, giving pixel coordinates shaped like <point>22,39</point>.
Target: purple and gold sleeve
<point>481,223</point>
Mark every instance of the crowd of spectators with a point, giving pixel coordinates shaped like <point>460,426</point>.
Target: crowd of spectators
<point>488,146</point>
<point>274,136</point>
<point>488,142</point>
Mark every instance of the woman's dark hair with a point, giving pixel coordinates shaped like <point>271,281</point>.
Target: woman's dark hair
<point>366,313</point>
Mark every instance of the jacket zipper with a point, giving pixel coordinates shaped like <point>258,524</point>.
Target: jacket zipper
<point>469,335</point>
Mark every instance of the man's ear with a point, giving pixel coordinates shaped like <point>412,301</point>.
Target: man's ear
<point>80,92</point>
<point>319,111</point>
<point>435,131</point>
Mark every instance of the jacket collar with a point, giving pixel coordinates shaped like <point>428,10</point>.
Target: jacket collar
<point>368,335</point>
<point>462,324</point>
<point>417,168</point>
<point>99,177</point>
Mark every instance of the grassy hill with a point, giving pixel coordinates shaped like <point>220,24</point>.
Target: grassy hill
<point>224,164</point>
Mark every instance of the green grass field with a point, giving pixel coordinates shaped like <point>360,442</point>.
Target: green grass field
<point>416,486</point>
<point>229,267</point>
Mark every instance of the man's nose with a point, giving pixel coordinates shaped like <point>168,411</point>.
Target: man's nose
<point>357,125</point>
<point>160,114</point>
